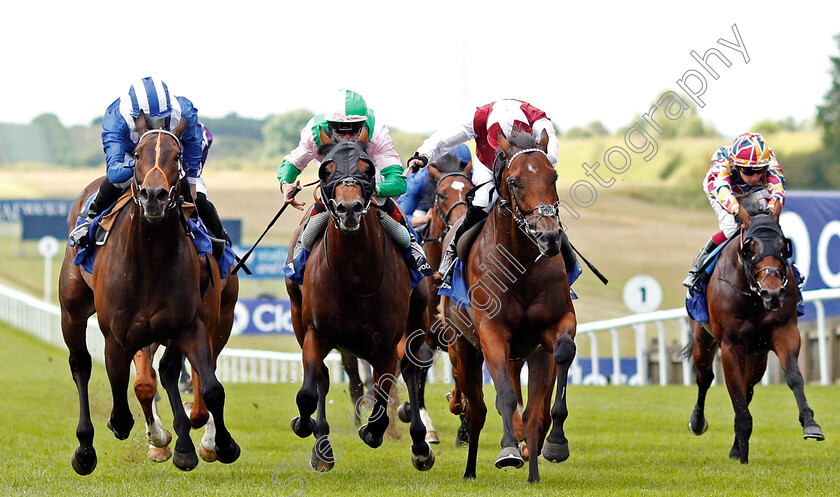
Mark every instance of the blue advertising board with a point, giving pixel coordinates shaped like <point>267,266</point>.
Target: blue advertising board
<point>11,210</point>
<point>264,262</point>
<point>259,317</point>
<point>811,219</point>
<point>33,227</point>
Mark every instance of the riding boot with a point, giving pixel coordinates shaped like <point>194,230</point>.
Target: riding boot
<point>417,260</point>
<point>207,212</point>
<point>471,218</point>
<point>694,274</point>
<point>107,195</point>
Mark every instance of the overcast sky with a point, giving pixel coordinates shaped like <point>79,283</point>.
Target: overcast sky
<point>422,64</point>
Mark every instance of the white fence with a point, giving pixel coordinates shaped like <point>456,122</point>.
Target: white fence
<point>257,366</point>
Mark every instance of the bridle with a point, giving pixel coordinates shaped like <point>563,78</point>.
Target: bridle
<point>764,251</point>
<point>171,189</point>
<point>445,214</point>
<point>543,210</point>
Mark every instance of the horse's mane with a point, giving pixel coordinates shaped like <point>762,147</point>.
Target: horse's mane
<point>449,163</point>
<point>523,140</point>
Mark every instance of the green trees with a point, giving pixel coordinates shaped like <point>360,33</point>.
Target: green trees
<point>281,132</point>
<point>828,114</point>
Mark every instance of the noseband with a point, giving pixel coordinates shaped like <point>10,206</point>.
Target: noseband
<point>520,217</point>
<point>137,185</point>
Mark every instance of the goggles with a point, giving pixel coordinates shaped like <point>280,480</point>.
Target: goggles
<point>346,128</point>
<point>752,171</point>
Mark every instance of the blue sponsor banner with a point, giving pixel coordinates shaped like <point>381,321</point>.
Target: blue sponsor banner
<point>261,317</point>
<point>264,262</point>
<point>36,226</point>
<point>11,210</point>
<point>811,219</point>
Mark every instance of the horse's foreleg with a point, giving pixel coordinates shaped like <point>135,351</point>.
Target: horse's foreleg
<point>307,397</point>
<point>469,377</point>
<point>422,455</point>
<point>537,417</point>
<point>170,371</point>
<point>556,446</point>
<point>384,368</point>
<point>496,350</point>
<point>84,458</point>
<point>734,364</point>
<point>196,347</point>
<point>786,344</point>
<point>516,377</point>
<point>704,347</point>
<point>354,380</point>
<point>323,458</point>
<point>145,389</point>
<point>117,363</point>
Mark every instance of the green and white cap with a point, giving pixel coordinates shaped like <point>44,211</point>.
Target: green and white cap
<point>345,106</point>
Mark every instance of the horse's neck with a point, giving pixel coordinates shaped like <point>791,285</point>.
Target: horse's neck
<point>154,243</point>
<point>362,247</point>
<point>509,235</point>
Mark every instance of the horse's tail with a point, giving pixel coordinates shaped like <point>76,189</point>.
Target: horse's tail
<point>687,351</point>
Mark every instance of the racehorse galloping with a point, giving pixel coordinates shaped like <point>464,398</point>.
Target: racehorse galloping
<point>521,307</point>
<point>356,297</point>
<point>145,288</point>
<point>752,298</point>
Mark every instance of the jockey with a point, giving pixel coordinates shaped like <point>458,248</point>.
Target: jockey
<point>505,117</point>
<point>419,196</point>
<point>347,117</point>
<point>746,168</point>
<point>119,138</point>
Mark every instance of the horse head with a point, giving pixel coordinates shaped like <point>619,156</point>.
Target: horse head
<point>157,168</point>
<point>451,187</point>
<point>347,176</point>
<point>528,190</point>
<point>764,254</point>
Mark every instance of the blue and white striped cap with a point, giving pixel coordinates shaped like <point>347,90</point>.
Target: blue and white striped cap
<point>151,96</point>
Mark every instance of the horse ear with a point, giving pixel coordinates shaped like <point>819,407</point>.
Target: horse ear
<point>364,137</point>
<point>503,143</point>
<point>140,123</point>
<point>179,130</point>
<point>435,172</point>
<point>543,142</point>
<point>468,170</point>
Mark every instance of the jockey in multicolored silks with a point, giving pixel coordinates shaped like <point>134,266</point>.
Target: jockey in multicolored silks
<point>505,117</point>
<point>119,138</point>
<point>746,168</point>
<point>347,117</point>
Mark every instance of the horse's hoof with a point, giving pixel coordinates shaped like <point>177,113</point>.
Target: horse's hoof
<point>207,455</point>
<point>185,461</point>
<point>423,463</point>
<point>159,454</point>
<point>813,431</point>
<point>368,437</point>
<point>160,443</point>
<point>555,452</point>
<point>319,464</point>
<point>229,455</point>
<point>121,435</point>
<point>509,457</point>
<point>432,438</point>
<point>302,430</point>
<point>83,461</point>
<point>702,429</point>
<point>404,412</point>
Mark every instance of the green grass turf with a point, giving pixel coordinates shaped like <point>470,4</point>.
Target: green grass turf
<point>624,441</point>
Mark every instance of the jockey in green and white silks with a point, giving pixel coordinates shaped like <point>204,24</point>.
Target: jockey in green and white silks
<point>347,117</point>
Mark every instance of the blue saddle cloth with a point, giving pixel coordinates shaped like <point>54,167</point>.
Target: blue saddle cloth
<point>86,256</point>
<point>295,269</point>
<point>695,302</point>
<point>460,292</point>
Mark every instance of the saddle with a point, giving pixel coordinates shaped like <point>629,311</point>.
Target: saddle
<point>467,240</point>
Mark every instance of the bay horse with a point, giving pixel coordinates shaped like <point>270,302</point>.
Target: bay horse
<point>521,308</point>
<point>145,288</point>
<point>356,297</point>
<point>452,183</point>
<point>752,298</point>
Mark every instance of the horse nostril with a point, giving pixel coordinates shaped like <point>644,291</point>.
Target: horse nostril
<point>764,294</point>
<point>357,208</point>
<point>143,195</point>
<point>782,292</point>
<point>341,209</point>
<point>161,195</point>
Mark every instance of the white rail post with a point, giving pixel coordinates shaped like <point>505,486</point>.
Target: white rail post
<point>663,354</point>
<point>617,377</point>
<point>822,342</point>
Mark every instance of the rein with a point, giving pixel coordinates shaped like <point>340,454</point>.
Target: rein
<point>444,215</point>
<point>136,185</point>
